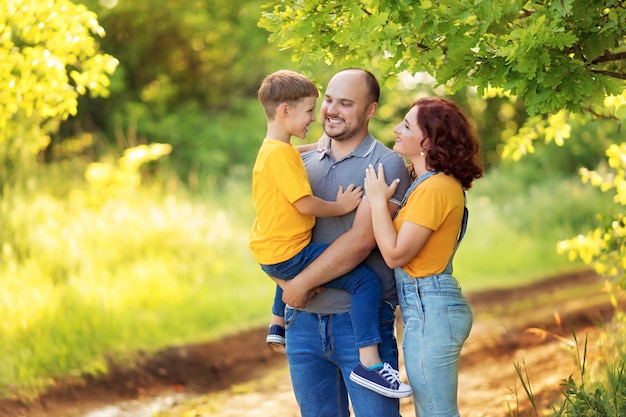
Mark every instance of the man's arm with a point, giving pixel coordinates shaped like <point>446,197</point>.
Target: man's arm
<point>319,146</point>
<point>341,257</point>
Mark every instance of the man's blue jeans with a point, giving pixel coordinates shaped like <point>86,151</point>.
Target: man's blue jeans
<point>321,353</point>
<point>437,321</point>
<point>361,282</point>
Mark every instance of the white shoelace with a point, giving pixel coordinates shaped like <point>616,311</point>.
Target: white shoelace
<point>390,374</point>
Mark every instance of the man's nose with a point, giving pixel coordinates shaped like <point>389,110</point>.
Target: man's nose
<point>331,108</point>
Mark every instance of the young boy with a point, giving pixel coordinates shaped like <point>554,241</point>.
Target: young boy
<point>280,238</point>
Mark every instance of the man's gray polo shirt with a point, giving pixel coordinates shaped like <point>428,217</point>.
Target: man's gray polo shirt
<point>326,175</point>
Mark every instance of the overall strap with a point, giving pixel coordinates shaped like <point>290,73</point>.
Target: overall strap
<point>414,184</point>
<point>448,269</point>
<point>417,182</point>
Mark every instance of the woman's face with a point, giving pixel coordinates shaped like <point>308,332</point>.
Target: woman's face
<point>409,136</point>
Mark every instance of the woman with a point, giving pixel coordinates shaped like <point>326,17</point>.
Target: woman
<point>419,243</point>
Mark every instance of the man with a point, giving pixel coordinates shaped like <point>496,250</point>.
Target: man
<point>320,340</point>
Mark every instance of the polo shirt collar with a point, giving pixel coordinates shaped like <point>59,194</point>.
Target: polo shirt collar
<point>362,151</point>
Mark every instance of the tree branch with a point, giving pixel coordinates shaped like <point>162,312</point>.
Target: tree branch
<point>609,57</point>
<point>598,115</point>
<point>526,13</point>
<point>610,74</point>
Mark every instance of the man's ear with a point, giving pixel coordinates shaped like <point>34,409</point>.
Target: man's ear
<point>371,110</point>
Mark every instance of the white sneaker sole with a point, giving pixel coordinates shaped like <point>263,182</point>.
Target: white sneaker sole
<point>276,343</point>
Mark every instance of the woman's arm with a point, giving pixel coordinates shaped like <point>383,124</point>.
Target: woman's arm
<point>397,248</point>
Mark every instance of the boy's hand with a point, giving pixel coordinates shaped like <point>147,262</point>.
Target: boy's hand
<point>350,198</point>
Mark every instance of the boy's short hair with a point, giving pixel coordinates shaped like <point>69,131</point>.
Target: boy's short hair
<point>284,86</point>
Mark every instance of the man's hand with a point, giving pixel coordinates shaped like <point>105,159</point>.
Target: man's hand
<point>297,296</point>
<point>322,143</point>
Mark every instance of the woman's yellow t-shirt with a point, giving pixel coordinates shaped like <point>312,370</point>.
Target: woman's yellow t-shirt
<point>438,204</point>
<point>279,179</point>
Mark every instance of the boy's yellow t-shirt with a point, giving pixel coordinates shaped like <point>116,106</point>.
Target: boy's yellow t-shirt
<point>279,179</point>
<point>437,204</point>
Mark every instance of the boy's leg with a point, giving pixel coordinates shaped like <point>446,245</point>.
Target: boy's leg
<point>364,286</point>
<point>275,338</point>
<point>290,268</point>
<point>364,401</point>
<point>370,371</point>
<point>278,306</point>
<point>286,271</point>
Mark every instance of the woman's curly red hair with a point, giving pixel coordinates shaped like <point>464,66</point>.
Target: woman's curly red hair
<point>450,140</point>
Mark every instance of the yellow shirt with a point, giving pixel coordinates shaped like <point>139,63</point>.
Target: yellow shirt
<point>437,204</point>
<point>279,179</point>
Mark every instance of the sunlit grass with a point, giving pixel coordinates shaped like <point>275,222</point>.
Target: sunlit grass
<point>81,284</point>
<point>599,386</point>
<point>513,229</point>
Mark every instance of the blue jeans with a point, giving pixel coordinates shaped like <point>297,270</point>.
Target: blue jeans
<point>361,282</point>
<point>437,321</point>
<point>321,353</point>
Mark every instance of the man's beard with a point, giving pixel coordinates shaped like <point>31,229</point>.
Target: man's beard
<point>347,133</point>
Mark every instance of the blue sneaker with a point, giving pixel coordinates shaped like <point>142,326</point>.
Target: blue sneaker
<point>385,381</point>
<point>276,338</point>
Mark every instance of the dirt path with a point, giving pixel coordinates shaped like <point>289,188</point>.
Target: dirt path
<point>239,376</point>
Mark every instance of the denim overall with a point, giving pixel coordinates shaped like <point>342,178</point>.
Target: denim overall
<point>437,321</point>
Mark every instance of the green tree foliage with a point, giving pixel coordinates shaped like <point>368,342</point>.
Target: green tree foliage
<point>188,70</point>
<point>565,59</point>
<point>562,58</point>
<point>49,56</point>
<point>565,54</point>
<point>605,246</point>
<point>174,51</point>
